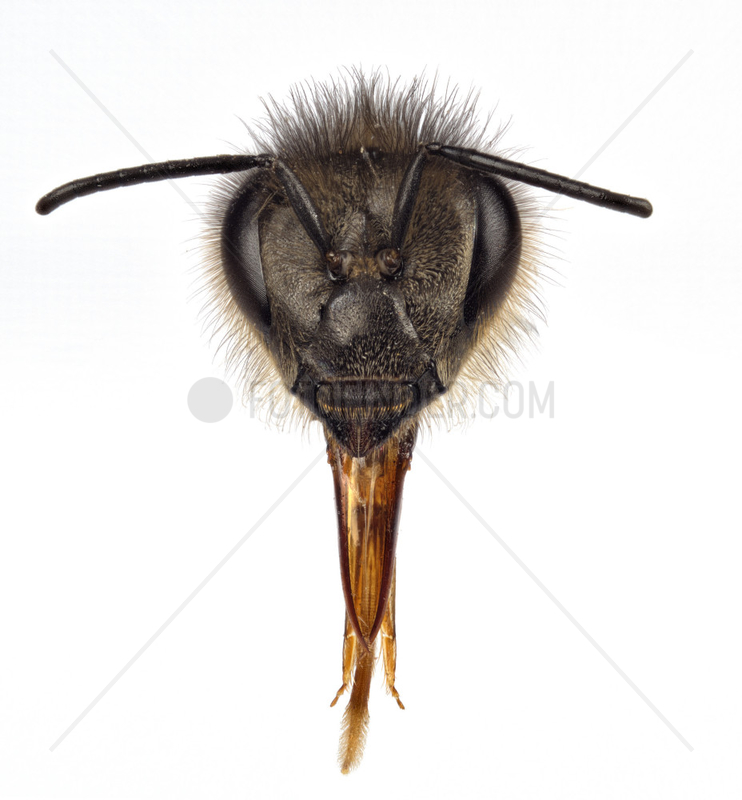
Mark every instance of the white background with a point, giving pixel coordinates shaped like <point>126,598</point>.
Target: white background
<point>117,502</point>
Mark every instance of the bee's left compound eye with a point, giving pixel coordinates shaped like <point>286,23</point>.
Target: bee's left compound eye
<point>497,248</point>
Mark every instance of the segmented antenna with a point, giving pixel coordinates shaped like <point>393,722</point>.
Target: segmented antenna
<point>493,165</point>
<point>161,171</point>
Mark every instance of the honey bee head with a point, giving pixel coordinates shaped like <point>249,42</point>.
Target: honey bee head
<point>368,315</point>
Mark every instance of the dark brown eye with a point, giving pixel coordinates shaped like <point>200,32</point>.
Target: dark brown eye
<point>338,264</point>
<point>390,261</point>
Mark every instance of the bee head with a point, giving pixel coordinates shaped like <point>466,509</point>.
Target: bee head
<point>370,320</point>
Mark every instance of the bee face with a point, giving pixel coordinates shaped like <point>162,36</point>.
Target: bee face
<point>366,335</point>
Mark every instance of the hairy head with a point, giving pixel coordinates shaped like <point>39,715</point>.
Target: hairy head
<point>365,332</point>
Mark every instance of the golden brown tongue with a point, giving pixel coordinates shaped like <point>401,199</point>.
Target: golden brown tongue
<point>368,495</point>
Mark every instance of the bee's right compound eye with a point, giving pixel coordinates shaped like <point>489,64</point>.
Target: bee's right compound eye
<point>240,245</point>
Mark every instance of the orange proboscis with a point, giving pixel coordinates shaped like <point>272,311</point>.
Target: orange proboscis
<point>368,493</point>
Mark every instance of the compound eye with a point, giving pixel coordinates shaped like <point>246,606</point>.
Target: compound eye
<point>497,249</point>
<point>240,245</point>
<point>390,261</point>
<point>338,264</point>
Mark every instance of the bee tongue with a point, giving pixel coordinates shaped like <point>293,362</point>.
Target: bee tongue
<point>368,499</point>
